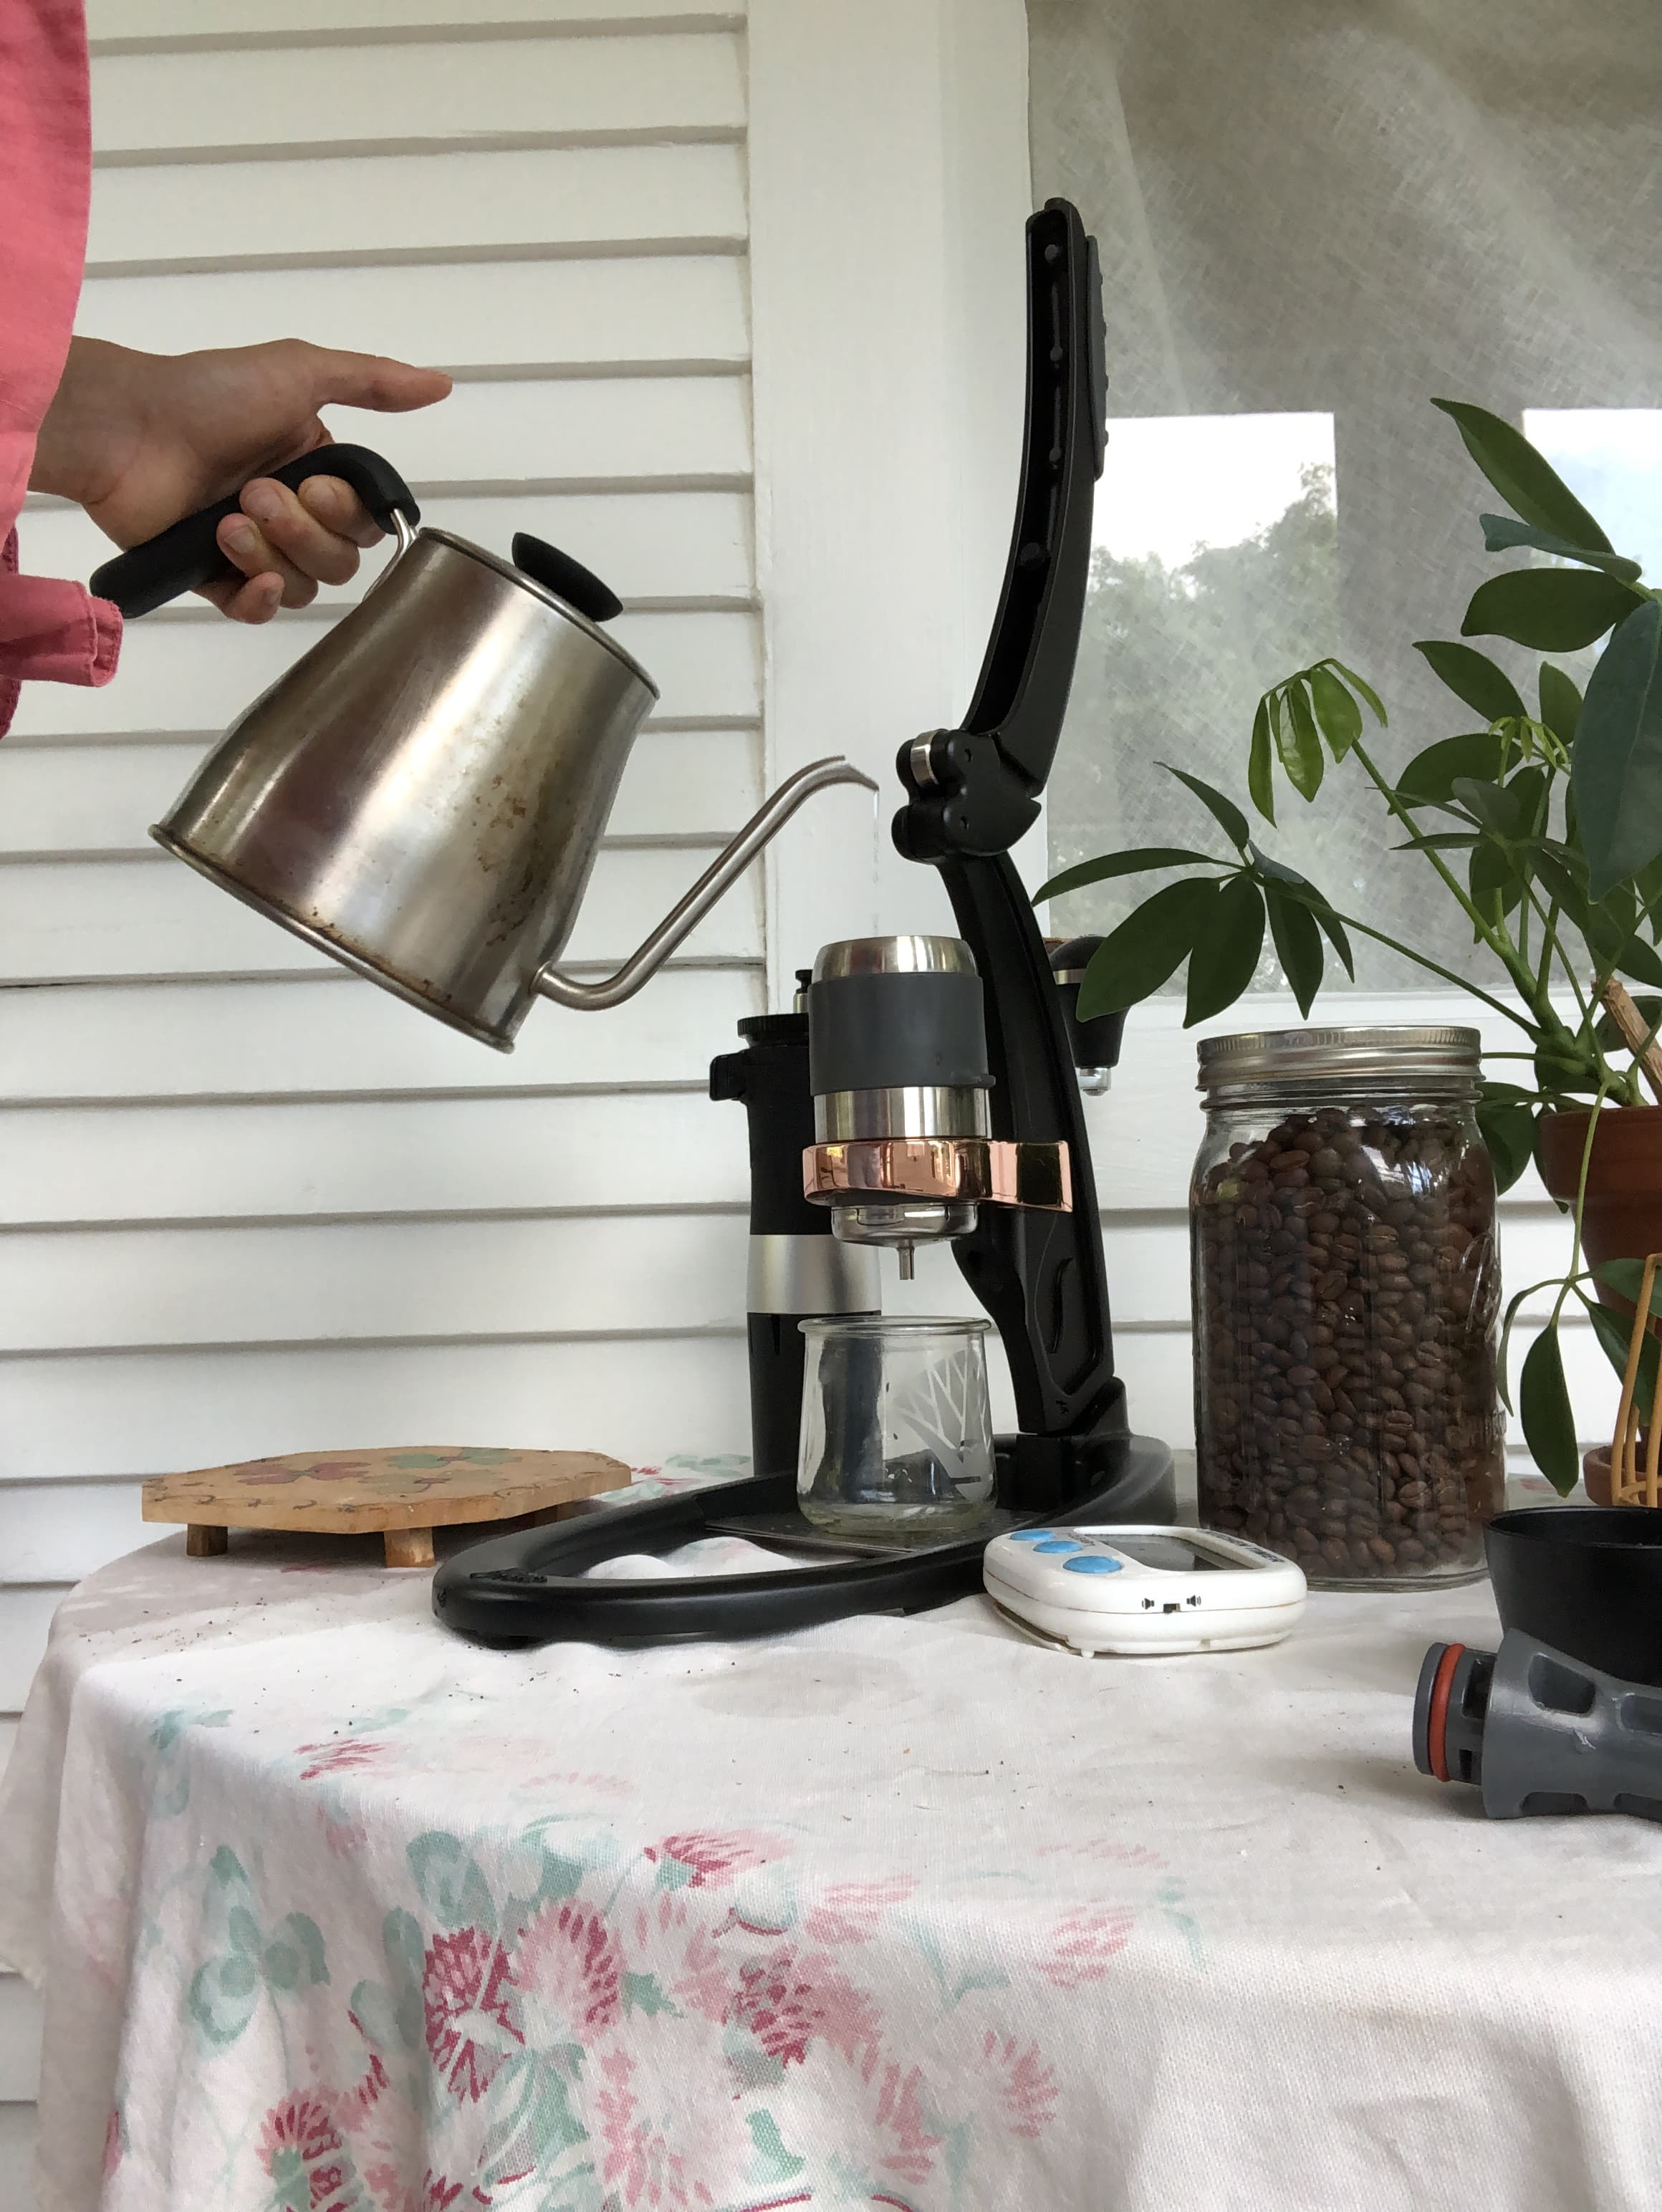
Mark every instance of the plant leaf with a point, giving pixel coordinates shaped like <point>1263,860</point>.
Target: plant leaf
<point>1260,765</point>
<point>1502,535</point>
<point>1648,884</point>
<point>1473,676</point>
<point>1543,1405</point>
<point>1301,748</point>
<point>1527,482</point>
<point>1280,732</point>
<point>1615,1335</point>
<point>1512,1304</point>
<point>1616,778</point>
<point>1551,609</point>
<point>1510,1094</point>
<point>1530,787</point>
<point>1507,1129</point>
<point>1223,810</point>
<point>1363,689</point>
<point>1616,946</point>
<point>1148,946</point>
<point>1442,840</point>
<point>1627,1279</point>
<point>1621,905</point>
<point>1301,888</point>
<point>1298,946</point>
<point>1561,703</point>
<point>1337,711</point>
<point>1640,960</point>
<point>1495,804</point>
<point>1564,884</point>
<point>1227,948</point>
<point>1493,879</point>
<point>1429,778</point>
<point>1131,863</point>
<point>1334,932</point>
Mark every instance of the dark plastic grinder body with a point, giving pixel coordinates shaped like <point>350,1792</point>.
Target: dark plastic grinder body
<point>1537,1731</point>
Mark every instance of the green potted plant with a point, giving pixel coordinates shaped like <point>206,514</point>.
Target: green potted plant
<point>1544,825</point>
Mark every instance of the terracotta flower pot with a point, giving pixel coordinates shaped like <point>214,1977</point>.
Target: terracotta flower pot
<point>1623,1216</point>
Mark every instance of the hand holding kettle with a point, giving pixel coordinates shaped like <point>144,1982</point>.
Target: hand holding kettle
<point>139,440</point>
<point>422,794</point>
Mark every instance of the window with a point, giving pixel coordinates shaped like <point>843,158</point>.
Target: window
<point>1309,224</point>
<point>1213,574</point>
<point>1611,458</point>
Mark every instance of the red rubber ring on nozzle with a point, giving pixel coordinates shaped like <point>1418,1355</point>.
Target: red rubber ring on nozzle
<point>1437,1715</point>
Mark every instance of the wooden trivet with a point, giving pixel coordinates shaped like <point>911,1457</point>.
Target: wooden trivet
<point>403,1493</point>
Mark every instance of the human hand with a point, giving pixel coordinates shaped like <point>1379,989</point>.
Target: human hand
<point>141,439</point>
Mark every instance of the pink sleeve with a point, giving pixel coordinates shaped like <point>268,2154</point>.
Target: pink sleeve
<point>48,629</point>
<point>55,631</point>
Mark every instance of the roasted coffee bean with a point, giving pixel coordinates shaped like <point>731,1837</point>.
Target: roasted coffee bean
<point>1346,1293</point>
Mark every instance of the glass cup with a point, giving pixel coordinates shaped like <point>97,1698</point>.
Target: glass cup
<point>897,1436</point>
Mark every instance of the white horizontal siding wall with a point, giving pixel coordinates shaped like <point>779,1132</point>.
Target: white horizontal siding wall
<point>251,1203</point>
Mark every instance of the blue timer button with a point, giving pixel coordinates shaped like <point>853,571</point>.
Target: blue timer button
<point>1031,1535</point>
<point>1060,1544</point>
<point>1092,1563</point>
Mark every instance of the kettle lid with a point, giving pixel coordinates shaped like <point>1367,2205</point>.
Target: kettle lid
<point>567,578</point>
<point>547,573</point>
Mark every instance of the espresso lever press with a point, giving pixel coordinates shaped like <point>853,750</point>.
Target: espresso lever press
<point>998,1161</point>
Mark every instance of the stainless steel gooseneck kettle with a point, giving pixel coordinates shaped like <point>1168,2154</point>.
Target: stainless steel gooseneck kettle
<point>422,795</point>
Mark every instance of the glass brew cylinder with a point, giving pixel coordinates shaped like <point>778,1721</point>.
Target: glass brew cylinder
<point>897,1436</point>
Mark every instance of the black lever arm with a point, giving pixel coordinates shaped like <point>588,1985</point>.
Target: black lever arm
<point>1041,1276</point>
<point>976,789</point>
<point>973,792</point>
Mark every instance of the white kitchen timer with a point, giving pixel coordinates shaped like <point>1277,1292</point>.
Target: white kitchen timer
<point>1143,1589</point>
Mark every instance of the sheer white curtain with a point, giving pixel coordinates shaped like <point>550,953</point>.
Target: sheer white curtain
<point>1330,212</point>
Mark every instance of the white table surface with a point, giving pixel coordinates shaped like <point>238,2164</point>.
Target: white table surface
<point>330,1909</point>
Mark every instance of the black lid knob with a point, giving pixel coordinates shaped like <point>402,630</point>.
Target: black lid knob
<point>567,578</point>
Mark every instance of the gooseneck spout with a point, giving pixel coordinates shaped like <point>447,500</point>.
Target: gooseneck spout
<point>718,878</point>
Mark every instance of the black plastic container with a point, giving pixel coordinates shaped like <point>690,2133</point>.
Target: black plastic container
<point>1587,1580</point>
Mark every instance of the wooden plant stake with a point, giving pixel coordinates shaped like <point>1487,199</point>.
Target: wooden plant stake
<point>1636,1034</point>
<point>1629,1485</point>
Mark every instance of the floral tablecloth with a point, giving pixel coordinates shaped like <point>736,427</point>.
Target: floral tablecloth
<point>336,1913</point>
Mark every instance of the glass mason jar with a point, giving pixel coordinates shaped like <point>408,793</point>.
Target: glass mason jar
<point>1346,1294</point>
<point>897,1436</point>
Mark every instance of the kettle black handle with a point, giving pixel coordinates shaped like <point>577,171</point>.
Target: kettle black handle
<point>187,554</point>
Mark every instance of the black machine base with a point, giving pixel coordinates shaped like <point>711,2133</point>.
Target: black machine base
<point>528,1588</point>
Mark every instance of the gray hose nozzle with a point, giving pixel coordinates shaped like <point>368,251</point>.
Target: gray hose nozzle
<point>1538,1732</point>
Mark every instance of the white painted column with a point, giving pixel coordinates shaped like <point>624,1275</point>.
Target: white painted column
<point>889,188</point>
